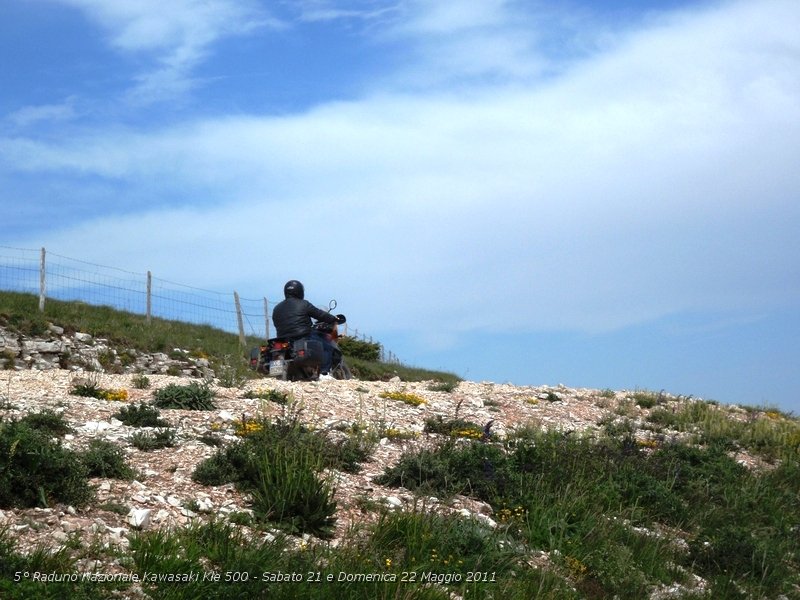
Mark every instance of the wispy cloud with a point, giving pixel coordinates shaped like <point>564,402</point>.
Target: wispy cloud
<point>331,10</point>
<point>50,113</point>
<point>176,36</point>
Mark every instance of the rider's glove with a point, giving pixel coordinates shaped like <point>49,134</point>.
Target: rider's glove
<point>340,319</point>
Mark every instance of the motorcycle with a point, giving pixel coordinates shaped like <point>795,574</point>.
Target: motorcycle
<point>300,360</point>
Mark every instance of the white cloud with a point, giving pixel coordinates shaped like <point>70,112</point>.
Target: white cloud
<point>29,115</point>
<point>178,34</point>
<point>331,10</point>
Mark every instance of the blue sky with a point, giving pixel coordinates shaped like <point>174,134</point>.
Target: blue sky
<point>599,194</point>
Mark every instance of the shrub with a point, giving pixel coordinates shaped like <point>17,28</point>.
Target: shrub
<point>140,382</point>
<point>348,454</point>
<point>646,399</point>
<point>47,421</point>
<point>290,492</point>
<point>278,464</point>
<point>406,397</point>
<point>453,427</point>
<point>105,459</point>
<point>443,386</point>
<point>142,415</point>
<point>87,388</point>
<point>194,396</point>
<point>352,347</point>
<point>231,464</point>
<point>36,470</point>
<point>275,396</point>
<point>147,440</point>
<point>90,388</point>
<point>454,467</point>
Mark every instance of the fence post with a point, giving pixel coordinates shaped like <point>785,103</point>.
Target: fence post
<point>42,282</point>
<point>266,318</point>
<point>239,319</point>
<point>149,295</point>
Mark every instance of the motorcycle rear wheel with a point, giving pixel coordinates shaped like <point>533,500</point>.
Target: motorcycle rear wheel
<point>341,371</point>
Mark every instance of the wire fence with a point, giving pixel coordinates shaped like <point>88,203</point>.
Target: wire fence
<point>53,276</point>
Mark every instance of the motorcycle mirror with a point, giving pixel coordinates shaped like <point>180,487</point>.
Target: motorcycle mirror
<point>331,305</point>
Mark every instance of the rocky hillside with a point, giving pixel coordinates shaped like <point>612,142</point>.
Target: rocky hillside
<point>163,495</point>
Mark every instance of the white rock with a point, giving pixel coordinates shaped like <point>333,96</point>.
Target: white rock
<point>488,521</point>
<point>162,515</point>
<point>393,501</point>
<point>225,416</point>
<point>60,537</point>
<point>117,532</point>
<point>97,426</point>
<point>139,517</point>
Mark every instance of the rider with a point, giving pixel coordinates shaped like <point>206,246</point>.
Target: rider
<point>292,319</point>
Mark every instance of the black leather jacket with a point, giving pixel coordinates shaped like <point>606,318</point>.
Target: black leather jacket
<point>292,318</point>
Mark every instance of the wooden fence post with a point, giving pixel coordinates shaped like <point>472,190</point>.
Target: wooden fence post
<point>42,282</point>
<point>239,319</point>
<point>149,295</point>
<point>266,318</point>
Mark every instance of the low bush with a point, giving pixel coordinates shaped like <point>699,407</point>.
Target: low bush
<point>453,467</point>
<point>194,396</point>
<point>141,415</point>
<point>36,469</point>
<point>290,492</point>
<point>275,396</point>
<point>443,386</point>
<point>47,421</point>
<point>405,397</point>
<point>355,348</point>
<point>106,459</point>
<point>279,464</point>
<point>154,440</point>
<point>453,427</point>
<point>90,388</point>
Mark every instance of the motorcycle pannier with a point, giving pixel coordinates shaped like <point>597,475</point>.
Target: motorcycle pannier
<point>307,353</point>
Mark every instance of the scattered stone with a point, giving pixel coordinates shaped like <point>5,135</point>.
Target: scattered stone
<point>139,517</point>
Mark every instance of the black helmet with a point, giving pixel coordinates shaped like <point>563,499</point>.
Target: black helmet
<point>293,289</point>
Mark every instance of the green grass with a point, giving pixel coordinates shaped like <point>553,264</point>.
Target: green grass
<point>763,431</point>
<point>612,511</point>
